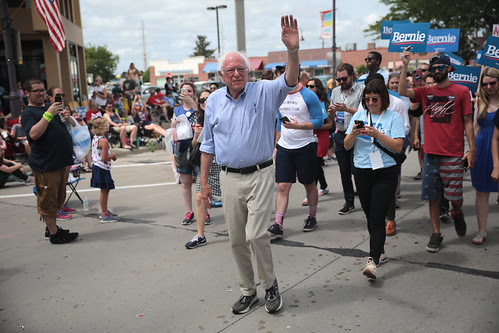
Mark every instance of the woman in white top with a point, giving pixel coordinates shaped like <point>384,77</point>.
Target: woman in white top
<point>100,93</point>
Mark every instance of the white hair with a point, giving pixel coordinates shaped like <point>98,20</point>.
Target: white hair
<point>221,60</point>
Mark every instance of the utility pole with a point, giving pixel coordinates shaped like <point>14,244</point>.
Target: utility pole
<point>240,26</point>
<point>14,101</point>
<point>144,46</point>
<point>334,39</point>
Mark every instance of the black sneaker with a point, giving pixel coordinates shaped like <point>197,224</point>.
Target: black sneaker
<point>418,176</point>
<point>444,215</point>
<point>273,301</point>
<point>459,223</point>
<point>310,224</point>
<point>275,231</point>
<point>347,209</point>
<point>244,304</point>
<point>196,242</point>
<point>47,233</point>
<point>435,242</point>
<point>63,237</point>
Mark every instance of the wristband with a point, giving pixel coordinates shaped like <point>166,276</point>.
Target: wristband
<point>294,50</point>
<point>48,116</point>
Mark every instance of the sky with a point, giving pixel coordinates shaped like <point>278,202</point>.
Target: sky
<point>171,27</point>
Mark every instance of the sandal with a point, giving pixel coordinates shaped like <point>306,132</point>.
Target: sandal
<point>390,228</point>
<point>479,239</point>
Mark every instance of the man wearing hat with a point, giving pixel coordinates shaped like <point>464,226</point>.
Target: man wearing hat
<point>446,114</point>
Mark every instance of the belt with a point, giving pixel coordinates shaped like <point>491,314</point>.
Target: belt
<point>249,169</point>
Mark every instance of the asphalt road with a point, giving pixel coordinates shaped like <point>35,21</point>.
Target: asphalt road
<point>137,276</point>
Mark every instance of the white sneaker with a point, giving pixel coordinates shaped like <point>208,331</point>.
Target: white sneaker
<point>370,269</point>
<point>323,192</point>
<point>382,259</point>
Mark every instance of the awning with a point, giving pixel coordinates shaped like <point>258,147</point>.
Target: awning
<point>255,64</point>
<point>211,67</point>
<point>272,65</point>
<point>314,64</point>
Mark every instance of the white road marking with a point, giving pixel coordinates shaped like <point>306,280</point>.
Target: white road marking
<point>139,164</point>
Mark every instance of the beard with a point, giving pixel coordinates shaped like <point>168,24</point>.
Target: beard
<point>440,77</point>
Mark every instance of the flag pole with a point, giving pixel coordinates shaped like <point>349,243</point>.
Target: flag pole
<point>334,40</point>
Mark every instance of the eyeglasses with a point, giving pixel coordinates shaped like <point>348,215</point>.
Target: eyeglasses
<point>491,84</point>
<point>37,91</point>
<point>440,68</point>
<point>202,100</point>
<point>342,79</point>
<point>371,99</point>
<point>110,105</point>
<point>232,71</point>
<point>311,86</point>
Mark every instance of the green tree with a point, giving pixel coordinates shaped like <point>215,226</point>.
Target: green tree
<point>146,76</point>
<point>201,48</point>
<point>101,62</point>
<point>473,18</point>
<point>361,69</point>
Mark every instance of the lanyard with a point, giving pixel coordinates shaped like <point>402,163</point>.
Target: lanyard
<point>376,126</point>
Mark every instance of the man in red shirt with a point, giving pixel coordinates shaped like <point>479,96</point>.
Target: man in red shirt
<point>447,114</point>
<point>156,100</point>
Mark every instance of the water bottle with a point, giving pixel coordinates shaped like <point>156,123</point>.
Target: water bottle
<point>152,147</point>
<point>85,203</point>
<point>138,142</point>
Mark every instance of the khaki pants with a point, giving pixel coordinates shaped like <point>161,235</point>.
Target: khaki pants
<point>247,202</point>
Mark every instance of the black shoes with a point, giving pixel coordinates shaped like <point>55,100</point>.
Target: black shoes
<point>275,231</point>
<point>273,300</point>
<point>459,223</point>
<point>61,236</point>
<point>310,224</point>
<point>435,242</point>
<point>244,304</point>
<point>347,209</point>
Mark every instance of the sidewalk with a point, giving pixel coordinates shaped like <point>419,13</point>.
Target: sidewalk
<point>137,276</point>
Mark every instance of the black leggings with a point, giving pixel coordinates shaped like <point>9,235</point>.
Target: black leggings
<point>376,189</point>
<point>320,173</point>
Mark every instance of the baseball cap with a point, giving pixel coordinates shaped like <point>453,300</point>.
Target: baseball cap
<point>280,68</point>
<point>441,59</point>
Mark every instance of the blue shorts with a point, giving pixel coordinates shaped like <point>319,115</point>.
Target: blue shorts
<point>101,178</point>
<point>301,161</point>
<point>189,170</point>
<point>442,172</point>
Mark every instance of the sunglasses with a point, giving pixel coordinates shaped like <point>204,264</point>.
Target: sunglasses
<point>424,70</point>
<point>310,86</point>
<point>202,100</point>
<point>440,68</point>
<point>37,91</point>
<point>371,99</point>
<point>491,84</point>
<point>342,79</point>
<point>368,59</point>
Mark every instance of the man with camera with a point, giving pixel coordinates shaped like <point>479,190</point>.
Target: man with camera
<point>51,153</point>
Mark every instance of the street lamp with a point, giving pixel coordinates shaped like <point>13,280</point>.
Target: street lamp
<point>218,31</point>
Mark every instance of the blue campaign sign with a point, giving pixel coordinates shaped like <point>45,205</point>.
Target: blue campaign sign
<point>386,28</point>
<point>490,53</point>
<point>454,59</point>
<point>443,40</point>
<point>478,56</point>
<point>409,34</point>
<point>466,76</point>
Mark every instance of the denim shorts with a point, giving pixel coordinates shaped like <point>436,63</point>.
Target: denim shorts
<point>189,170</point>
<point>442,172</point>
<point>301,161</point>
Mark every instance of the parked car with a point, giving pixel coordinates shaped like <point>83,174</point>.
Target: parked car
<point>201,85</point>
<point>145,91</point>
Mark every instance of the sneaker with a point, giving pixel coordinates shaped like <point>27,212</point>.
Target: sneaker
<point>108,213</point>
<point>444,215</point>
<point>382,259</point>
<point>310,224</point>
<point>435,242</point>
<point>47,233</point>
<point>346,209</point>
<point>304,202</point>
<point>66,209</point>
<point>216,203</point>
<point>244,304</point>
<point>397,205</point>
<point>29,181</point>
<point>275,231</point>
<point>273,300</point>
<point>195,242</point>
<point>62,237</point>
<point>207,219</point>
<point>323,192</point>
<point>110,217</point>
<point>418,176</point>
<point>61,216</point>
<point>188,219</point>
<point>370,270</point>
<point>459,223</point>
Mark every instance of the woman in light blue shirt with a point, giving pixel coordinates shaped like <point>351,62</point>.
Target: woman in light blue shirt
<point>375,171</point>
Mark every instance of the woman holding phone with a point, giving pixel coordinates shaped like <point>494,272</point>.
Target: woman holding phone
<point>375,171</point>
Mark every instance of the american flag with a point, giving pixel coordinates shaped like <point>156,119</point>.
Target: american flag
<point>49,11</point>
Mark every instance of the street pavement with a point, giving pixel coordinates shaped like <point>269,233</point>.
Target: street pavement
<point>137,276</point>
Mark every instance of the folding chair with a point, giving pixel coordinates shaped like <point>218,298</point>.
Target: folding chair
<point>73,181</point>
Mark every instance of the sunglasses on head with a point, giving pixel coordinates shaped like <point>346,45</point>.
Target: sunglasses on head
<point>310,86</point>
<point>493,83</point>
<point>202,100</point>
<point>371,99</point>
<point>342,79</point>
<point>440,68</point>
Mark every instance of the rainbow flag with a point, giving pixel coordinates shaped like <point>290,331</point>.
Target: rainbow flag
<point>326,24</point>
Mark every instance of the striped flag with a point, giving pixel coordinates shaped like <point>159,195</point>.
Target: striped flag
<point>326,24</point>
<point>49,11</point>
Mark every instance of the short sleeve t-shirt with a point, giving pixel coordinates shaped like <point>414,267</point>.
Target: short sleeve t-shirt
<point>391,125</point>
<point>443,114</point>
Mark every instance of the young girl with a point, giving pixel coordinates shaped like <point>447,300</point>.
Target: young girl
<point>101,168</point>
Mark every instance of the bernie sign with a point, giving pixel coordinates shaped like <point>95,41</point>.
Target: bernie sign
<point>490,53</point>
<point>387,27</point>
<point>466,76</point>
<point>409,34</point>
<point>454,59</point>
<point>443,40</point>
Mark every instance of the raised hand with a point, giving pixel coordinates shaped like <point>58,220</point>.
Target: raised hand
<point>289,33</point>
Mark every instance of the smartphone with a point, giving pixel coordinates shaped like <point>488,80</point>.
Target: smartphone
<point>359,123</point>
<point>183,90</point>
<point>465,165</point>
<point>284,119</point>
<point>417,78</point>
<point>58,98</point>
